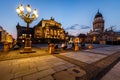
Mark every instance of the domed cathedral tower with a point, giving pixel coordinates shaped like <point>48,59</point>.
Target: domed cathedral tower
<point>98,24</point>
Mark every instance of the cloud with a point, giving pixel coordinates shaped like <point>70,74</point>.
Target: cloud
<point>76,29</point>
<point>74,32</point>
<point>77,26</point>
<point>85,27</point>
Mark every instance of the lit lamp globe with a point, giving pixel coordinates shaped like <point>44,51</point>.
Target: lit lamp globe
<point>28,8</point>
<point>21,7</point>
<point>18,10</point>
<point>35,13</point>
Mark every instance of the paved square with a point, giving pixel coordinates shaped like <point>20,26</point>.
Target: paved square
<point>32,68</point>
<point>52,67</point>
<point>86,57</point>
<point>113,74</point>
<point>104,50</point>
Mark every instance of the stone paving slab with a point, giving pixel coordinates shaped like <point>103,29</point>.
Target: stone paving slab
<point>113,74</point>
<point>90,70</point>
<point>70,74</point>
<point>15,54</point>
<point>32,68</point>
<point>106,50</point>
<point>48,78</point>
<point>93,69</point>
<point>111,48</point>
<point>84,56</point>
<point>106,64</point>
<point>39,75</point>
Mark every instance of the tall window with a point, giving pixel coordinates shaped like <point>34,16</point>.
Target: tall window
<point>51,31</point>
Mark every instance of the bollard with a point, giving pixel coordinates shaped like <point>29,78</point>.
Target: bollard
<point>10,45</point>
<point>51,48</point>
<point>6,47</point>
<point>76,47</point>
<point>90,46</point>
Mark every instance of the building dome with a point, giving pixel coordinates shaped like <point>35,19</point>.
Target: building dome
<point>98,15</point>
<point>98,23</point>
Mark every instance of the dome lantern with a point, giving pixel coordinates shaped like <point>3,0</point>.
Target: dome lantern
<point>98,15</point>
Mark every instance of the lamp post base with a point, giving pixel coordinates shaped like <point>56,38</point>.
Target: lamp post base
<point>27,50</point>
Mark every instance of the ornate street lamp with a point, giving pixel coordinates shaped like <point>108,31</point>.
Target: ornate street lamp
<point>28,18</point>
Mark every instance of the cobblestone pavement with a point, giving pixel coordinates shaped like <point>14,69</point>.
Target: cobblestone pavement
<point>82,65</point>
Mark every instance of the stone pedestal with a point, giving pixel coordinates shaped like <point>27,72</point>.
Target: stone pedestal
<point>51,48</point>
<point>6,47</point>
<point>90,46</point>
<point>27,48</point>
<point>76,47</point>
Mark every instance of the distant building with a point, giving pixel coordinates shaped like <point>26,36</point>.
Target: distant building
<point>2,32</point>
<point>99,34</point>
<point>5,36</point>
<point>98,23</point>
<point>22,31</point>
<point>96,34</point>
<point>82,37</point>
<point>44,31</point>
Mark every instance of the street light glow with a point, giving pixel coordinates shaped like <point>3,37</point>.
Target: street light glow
<point>36,15</point>
<point>28,8</point>
<point>35,11</point>
<point>18,10</point>
<point>21,7</point>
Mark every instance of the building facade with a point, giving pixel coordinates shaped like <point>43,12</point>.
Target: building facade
<point>45,31</point>
<point>5,36</point>
<point>49,30</point>
<point>95,35</point>
<point>98,23</point>
<point>99,34</point>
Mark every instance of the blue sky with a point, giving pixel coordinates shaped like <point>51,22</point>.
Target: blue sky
<point>78,13</point>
